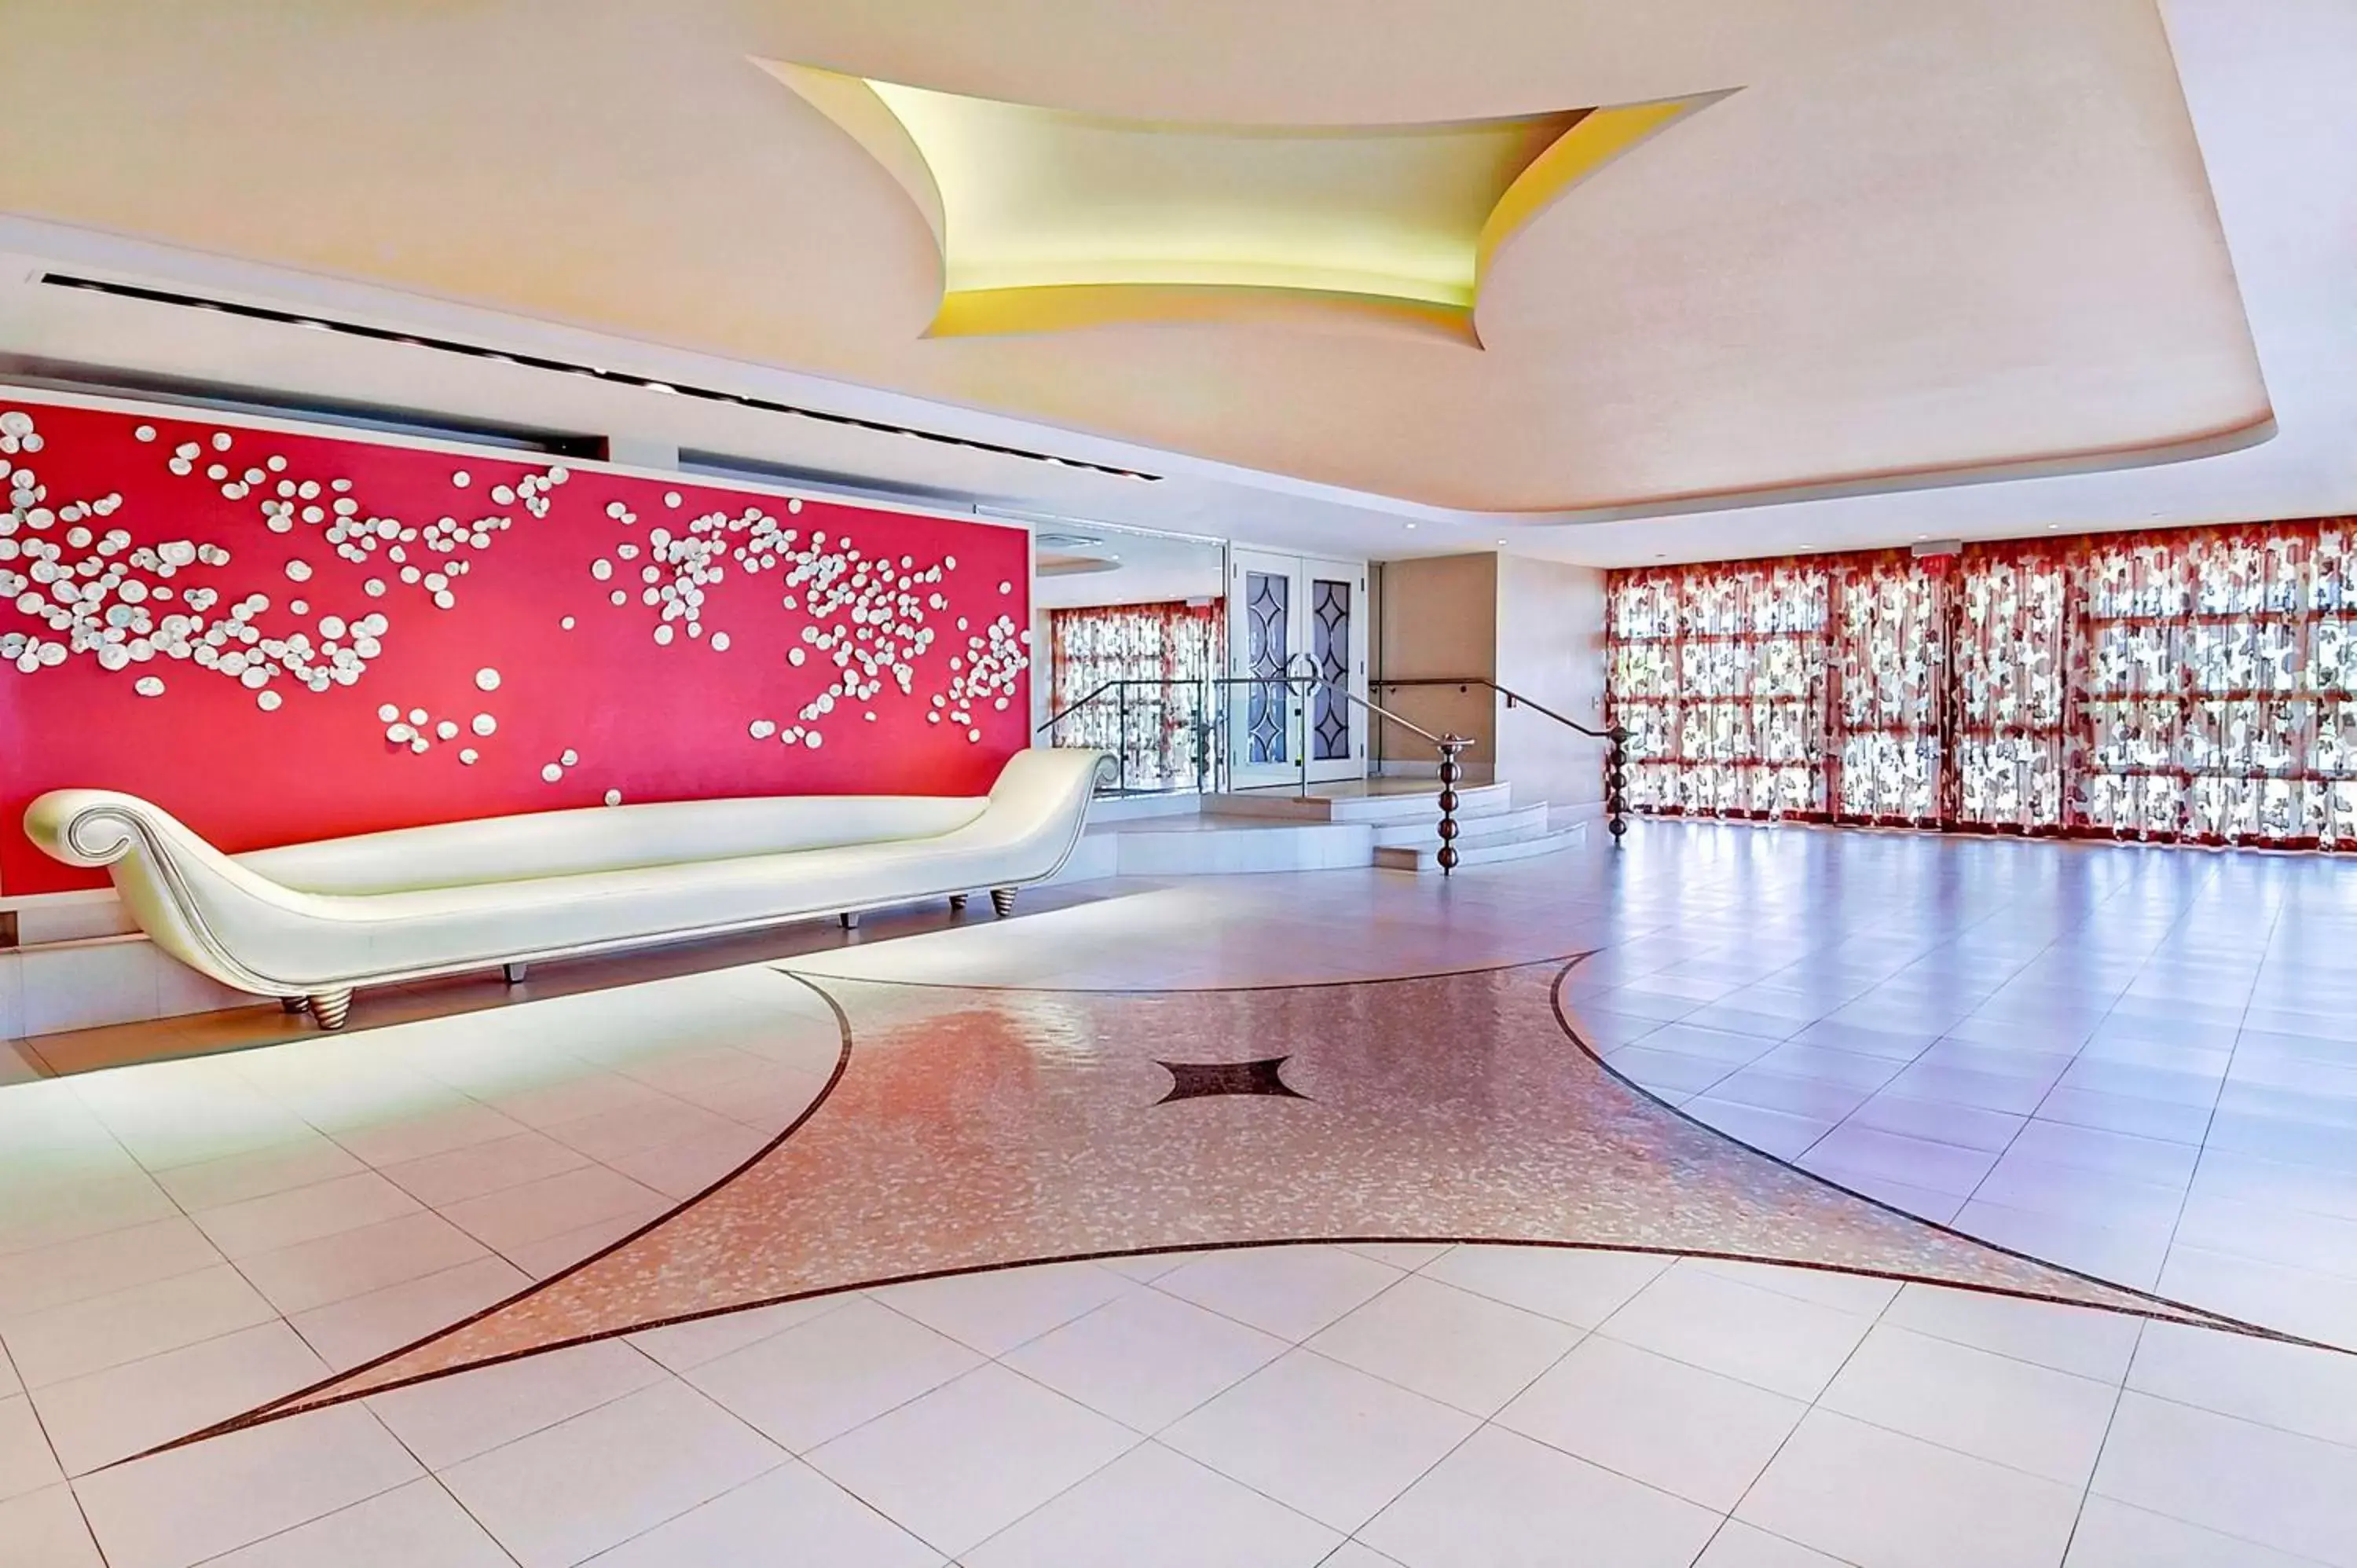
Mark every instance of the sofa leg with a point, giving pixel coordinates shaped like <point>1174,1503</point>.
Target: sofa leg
<point>293,1004</point>
<point>850,918</point>
<point>331,1007</point>
<point>957,902</point>
<point>514,972</point>
<point>1002,901</point>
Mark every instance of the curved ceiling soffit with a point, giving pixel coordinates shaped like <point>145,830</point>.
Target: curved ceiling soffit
<point>1047,222</point>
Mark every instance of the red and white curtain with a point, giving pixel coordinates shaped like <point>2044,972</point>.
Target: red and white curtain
<point>1157,723</point>
<point>2196,685</point>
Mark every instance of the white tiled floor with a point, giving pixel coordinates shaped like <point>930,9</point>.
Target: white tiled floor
<point>2140,1063</point>
<point>2134,1062</point>
<point>182,1241</point>
<point>1948,1428</point>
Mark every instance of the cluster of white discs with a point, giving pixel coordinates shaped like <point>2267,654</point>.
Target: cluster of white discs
<point>869,618</point>
<point>118,602</point>
<point>531,493</point>
<point>362,538</point>
<point>990,671</point>
<point>17,433</point>
<point>866,614</point>
<point>104,596</point>
<point>871,614</point>
<point>278,509</point>
<point>681,566</point>
<point>421,732</point>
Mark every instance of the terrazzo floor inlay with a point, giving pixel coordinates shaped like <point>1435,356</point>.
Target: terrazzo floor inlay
<point>972,1129</point>
<point>1192,1081</point>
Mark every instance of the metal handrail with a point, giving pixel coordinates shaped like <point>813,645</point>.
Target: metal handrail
<point>1291,681</point>
<point>1310,680</point>
<point>1513,698</point>
<point>1208,721</point>
<point>1615,736</point>
<point>1450,746</point>
<point>1052,720</point>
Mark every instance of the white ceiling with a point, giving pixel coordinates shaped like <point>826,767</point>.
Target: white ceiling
<point>1146,569</point>
<point>2018,276</point>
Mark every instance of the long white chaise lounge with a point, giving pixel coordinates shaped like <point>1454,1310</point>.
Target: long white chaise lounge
<point>309,922</point>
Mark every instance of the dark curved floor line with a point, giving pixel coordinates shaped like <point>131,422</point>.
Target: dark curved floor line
<point>1497,968</point>
<point>826,1091</point>
<point>2216,1319</point>
<point>2165,1309</point>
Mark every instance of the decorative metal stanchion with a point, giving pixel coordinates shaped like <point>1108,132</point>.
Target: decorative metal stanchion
<point>1450,745</point>
<point>1616,784</point>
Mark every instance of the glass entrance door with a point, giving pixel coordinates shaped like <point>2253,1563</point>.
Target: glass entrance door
<point>1297,647</point>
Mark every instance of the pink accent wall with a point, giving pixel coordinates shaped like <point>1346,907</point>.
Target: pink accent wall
<point>243,625</point>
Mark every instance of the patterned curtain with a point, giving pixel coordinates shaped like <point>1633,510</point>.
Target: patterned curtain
<point>2011,690</point>
<point>1158,730</point>
<point>1719,676</point>
<point>2191,686</point>
<point>1889,667</point>
<point>2218,688</point>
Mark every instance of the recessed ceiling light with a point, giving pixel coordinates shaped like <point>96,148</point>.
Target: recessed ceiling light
<point>1411,525</point>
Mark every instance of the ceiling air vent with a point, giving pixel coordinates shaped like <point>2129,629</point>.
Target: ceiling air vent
<point>537,362</point>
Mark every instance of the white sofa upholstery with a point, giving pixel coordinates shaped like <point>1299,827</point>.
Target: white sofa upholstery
<point>311,921</point>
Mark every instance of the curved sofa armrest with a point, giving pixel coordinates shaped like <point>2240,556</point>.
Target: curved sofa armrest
<point>93,827</point>
<point>189,898</point>
<point>1054,776</point>
<point>1040,806</point>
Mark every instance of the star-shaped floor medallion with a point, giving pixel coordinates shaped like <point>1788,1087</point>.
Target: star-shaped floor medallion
<point>1192,1081</point>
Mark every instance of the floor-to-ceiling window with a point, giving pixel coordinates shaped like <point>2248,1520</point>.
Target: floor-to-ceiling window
<point>2196,685</point>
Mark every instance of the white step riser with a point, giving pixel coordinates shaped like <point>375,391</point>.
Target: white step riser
<point>1519,823</point>
<point>1312,846</point>
<point>1427,859</point>
<point>1489,800</point>
<point>1481,800</point>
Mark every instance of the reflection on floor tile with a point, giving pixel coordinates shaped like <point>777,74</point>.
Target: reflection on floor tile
<point>959,1465</point>
<point>569,1490</point>
<point>1450,1518</point>
<point>1926,1505</point>
<point>1327,1440</point>
<point>1691,1432</point>
<point>1153,1509</point>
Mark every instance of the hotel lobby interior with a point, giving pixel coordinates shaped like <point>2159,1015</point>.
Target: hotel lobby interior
<point>1384,784</point>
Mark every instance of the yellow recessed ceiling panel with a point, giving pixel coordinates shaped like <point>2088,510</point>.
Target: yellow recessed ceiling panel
<point>1049,220</point>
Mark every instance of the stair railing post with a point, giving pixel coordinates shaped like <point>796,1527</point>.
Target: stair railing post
<point>1120,745</point>
<point>1450,745</point>
<point>1301,736</point>
<point>1616,784</point>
